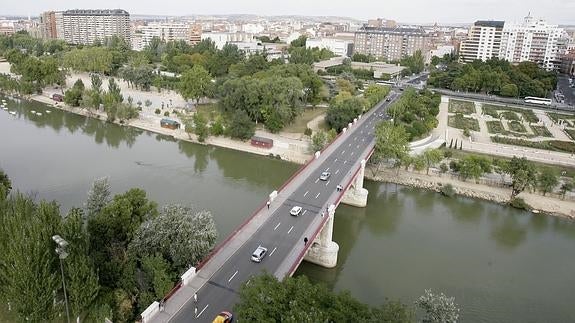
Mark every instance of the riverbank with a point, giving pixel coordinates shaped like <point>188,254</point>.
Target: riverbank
<point>283,147</point>
<point>544,204</point>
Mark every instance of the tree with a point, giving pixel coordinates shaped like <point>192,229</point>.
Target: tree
<point>523,174</point>
<point>196,84</point>
<point>81,279</point>
<point>391,141</point>
<point>5,184</point>
<point>318,141</point>
<point>73,96</point>
<point>432,157</point>
<point>98,196</point>
<point>181,235</point>
<point>438,308</point>
<point>28,263</point>
<point>343,109</point>
<point>96,82</point>
<point>201,127</point>
<point>265,299</point>
<point>509,90</point>
<point>547,180</point>
<point>240,126</point>
<point>567,187</point>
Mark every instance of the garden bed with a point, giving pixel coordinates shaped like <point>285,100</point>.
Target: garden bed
<point>510,115</point>
<point>554,145</point>
<point>463,107</point>
<point>460,122</point>
<point>493,110</point>
<point>517,126</point>
<point>495,127</point>
<point>541,131</point>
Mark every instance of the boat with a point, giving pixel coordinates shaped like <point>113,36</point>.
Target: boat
<point>12,113</point>
<point>33,111</point>
<point>535,211</point>
<point>38,113</point>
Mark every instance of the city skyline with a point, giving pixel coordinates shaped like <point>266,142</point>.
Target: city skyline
<point>465,11</point>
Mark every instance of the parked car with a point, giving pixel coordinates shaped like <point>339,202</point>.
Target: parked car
<point>324,176</point>
<point>259,254</point>
<point>57,97</point>
<point>224,317</point>
<point>295,211</point>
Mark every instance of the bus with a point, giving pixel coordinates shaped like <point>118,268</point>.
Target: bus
<point>385,83</point>
<point>536,100</point>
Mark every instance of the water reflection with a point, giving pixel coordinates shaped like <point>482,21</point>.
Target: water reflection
<point>509,233</point>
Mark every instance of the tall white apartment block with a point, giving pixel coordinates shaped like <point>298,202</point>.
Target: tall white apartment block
<point>338,46</point>
<point>87,26</point>
<point>165,31</point>
<point>535,41</point>
<point>483,41</point>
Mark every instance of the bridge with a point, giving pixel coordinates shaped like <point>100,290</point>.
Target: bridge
<point>212,286</point>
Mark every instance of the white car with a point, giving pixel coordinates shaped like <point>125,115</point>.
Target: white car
<point>324,176</point>
<point>295,211</point>
<point>259,254</point>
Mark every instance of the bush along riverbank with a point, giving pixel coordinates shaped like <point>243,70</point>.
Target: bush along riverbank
<point>438,182</point>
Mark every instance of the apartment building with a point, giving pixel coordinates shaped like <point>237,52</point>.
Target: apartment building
<point>87,26</point>
<point>534,40</point>
<point>48,25</point>
<point>391,44</point>
<point>339,47</point>
<point>483,41</point>
<point>221,39</point>
<point>166,31</point>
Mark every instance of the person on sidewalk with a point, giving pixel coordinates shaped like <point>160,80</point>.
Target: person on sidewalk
<point>196,298</point>
<point>268,204</point>
<point>305,241</point>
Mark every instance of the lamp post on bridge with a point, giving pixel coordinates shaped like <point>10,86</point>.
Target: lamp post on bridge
<point>62,254</point>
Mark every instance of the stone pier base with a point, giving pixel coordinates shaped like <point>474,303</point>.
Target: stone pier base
<point>325,256</point>
<point>355,197</point>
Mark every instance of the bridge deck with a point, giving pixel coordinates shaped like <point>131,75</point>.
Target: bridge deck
<point>219,278</point>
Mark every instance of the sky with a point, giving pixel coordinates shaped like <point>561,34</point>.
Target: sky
<point>413,11</point>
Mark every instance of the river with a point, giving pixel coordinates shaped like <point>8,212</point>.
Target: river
<point>502,265</point>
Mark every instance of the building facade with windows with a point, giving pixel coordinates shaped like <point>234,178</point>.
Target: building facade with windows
<point>339,47</point>
<point>483,41</point>
<point>391,44</point>
<point>88,26</point>
<point>534,40</point>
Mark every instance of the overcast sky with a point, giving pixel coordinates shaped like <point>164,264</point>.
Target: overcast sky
<point>417,11</point>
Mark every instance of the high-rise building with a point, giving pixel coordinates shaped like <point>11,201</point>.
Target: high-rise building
<point>87,26</point>
<point>483,41</point>
<point>391,43</point>
<point>535,41</point>
<point>48,25</point>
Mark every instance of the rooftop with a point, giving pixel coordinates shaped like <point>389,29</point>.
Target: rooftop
<point>96,12</point>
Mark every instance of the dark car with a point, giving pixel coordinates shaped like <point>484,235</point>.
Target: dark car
<point>57,97</point>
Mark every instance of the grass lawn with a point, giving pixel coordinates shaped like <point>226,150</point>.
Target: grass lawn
<point>300,122</point>
<point>209,110</point>
<point>517,126</point>
<point>541,131</point>
<point>568,120</point>
<point>464,107</point>
<point>495,127</point>
<point>490,110</point>
<point>555,145</point>
<point>496,110</point>
<point>460,122</point>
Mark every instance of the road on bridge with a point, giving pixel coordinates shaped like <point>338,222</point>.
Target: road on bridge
<point>282,233</point>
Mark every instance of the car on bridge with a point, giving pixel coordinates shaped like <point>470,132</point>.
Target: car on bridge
<point>324,176</point>
<point>224,317</point>
<point>259,254</point>
<point>295,211</point>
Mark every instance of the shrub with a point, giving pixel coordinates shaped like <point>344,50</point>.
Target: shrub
<point>448,153</point>
<point>158,111</point>
<point>307,132</point>
<point>519,203</point>
<point>447,190</point>
<point>166,114</point>
<point>443,168</point>
<point>454,166</point>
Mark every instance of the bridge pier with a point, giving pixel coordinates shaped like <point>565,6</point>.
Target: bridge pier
<point>323,251</point>
<point>356,195</point>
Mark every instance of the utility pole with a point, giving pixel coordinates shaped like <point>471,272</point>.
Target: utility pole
<point>62,254</point>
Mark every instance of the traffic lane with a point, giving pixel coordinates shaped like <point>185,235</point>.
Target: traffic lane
<point>227,291</point>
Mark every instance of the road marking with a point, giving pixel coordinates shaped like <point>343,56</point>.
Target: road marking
<point>352,153</point>
<point>345,162</point>
<point>277,226</point>
<point>349,144</point>
<point>317,180</point>
<point>355,138</point>
<point>326,184</point>
<point>234,275</point>
<point>202,312</point>
<point>357,146</point>
<point>304,212</point>
<point>317,195</point>
<point>271,253</point>
<point>290,229</point>
<point>343,152</point>
<point>306,193</point>
<point>327,169</point>
<point>335,161</point>
<point>337,171</point>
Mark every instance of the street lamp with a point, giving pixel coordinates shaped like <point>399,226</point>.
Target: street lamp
<point>62,254</point>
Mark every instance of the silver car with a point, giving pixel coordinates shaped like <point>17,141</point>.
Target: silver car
<point>324,176</point>
<point>259,254</point>
<point>295,211</point>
